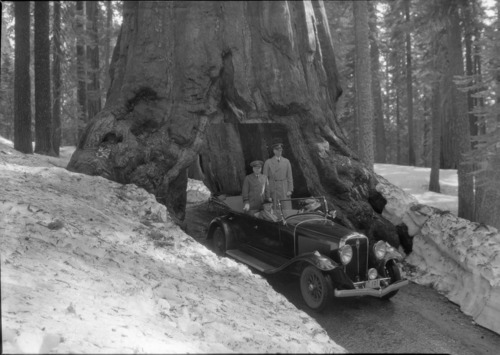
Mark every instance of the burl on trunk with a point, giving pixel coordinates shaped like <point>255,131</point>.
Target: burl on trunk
<point>212,84</point>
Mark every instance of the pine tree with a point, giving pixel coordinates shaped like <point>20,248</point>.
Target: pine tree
<point>364,103</point>
<point>81,67</point>
<point>378,112</point>
<point>93,72</point>
<point>43,102</point>
<point>56,78</point>
<point>409,86</point>
<point>22,84</point>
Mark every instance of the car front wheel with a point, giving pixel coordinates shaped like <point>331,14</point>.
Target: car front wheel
<point>219,241</point>
<point>391,270</point>
<point>316,288</point>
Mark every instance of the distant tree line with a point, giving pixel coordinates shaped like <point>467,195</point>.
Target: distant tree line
<point>61,50</point>
<point>434,75</point>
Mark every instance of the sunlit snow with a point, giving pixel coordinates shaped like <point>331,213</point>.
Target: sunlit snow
<point>92,266</point>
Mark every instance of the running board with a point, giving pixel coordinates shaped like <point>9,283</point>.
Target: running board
<point>250,260</point>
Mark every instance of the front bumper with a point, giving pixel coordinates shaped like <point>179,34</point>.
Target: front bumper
<point>372,291</point>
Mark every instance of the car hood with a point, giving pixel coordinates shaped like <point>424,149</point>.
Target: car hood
<point>318,226</point>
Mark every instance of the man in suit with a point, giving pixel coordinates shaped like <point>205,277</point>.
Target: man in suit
<point>279,172</point>
<point>255,189</point>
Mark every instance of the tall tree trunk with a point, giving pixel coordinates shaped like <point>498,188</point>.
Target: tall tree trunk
<point>22,83</point>
<point>93,86</point>
<point>56,78</point>
<point>378,112</point>
<point>107,43</point>
<point>43,101</point>
<point>460,128</point>
<point>364,101</point>
<point>220,81</point>
<point>436,138</point>
<point>409,88</point>
<point>81,68</point>
<point>488,181</point>
<point>439,66</point>
<point>469,66</point>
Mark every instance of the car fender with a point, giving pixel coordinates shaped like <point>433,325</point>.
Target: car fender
<point>381,264</point>
<point>391,255</point>
<point>226,226</point>
<point>318,260</point>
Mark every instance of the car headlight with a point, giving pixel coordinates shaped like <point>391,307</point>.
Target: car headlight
<point>345,253</point>
<point>372,274</point>
<point>380,249</point>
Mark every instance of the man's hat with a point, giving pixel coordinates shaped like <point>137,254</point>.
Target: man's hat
<point>267,200</point>
<point>277,143</point>
<point>257,163</point>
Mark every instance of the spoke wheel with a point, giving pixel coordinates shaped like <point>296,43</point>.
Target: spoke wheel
<point>391,269</point>
<point>316,288</point>
<point>219,241</point>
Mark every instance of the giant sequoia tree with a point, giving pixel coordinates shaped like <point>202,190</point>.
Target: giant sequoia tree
<point>213,83</point>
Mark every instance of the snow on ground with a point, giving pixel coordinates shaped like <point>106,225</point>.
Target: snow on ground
<point>459,258</point>
<point>415,181</point>
<point>92,266</point>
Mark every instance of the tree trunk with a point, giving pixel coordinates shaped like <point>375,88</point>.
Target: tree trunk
<point>409,88</point>
<point>22,84</point>
<point>364,101</point>
<point>436,139</point>
<point>378,112</point>
<point>107,43</point>
<point>81,71</point>
<point>460,129</point>
<point>214,83</point>
<point>93,86</point>
<point>43,101</point>
<point>56,78</point>
<point>488,181</point>
<point>398,128</point>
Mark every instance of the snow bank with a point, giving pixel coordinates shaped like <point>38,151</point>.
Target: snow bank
<point>92,266</point>
<point>459,258</point>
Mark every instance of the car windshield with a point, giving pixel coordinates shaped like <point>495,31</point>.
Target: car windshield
<point>303,205</point>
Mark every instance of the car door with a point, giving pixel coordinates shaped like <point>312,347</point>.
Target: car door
<point>265,235</point>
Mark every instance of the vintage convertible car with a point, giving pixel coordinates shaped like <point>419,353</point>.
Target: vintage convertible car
<point>330,259</point>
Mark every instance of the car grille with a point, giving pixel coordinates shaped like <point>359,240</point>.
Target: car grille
<point>357,269</point>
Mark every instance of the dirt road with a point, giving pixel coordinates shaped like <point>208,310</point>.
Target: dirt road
<point>417,320</point>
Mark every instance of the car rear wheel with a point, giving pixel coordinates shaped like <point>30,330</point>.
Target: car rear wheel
<point>316,288</point>
<point>391,269</point>
<point>219,241</point>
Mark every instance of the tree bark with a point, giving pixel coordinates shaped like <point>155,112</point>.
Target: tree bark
<point>93,86</point>
<point>460,129</point>
<point>436,139</point>
<point>378,112</point>
<point>22,84</point>
<point>43,101</point>
<point>56,78</point>
<point>81,68</point>
<point>364,101</point>
<point>409,88</point>
<point>107,43</point>
<point>488,181</point>
<point>214,83</point>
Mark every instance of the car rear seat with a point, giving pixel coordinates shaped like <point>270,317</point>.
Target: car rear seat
<point>235,203</point>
